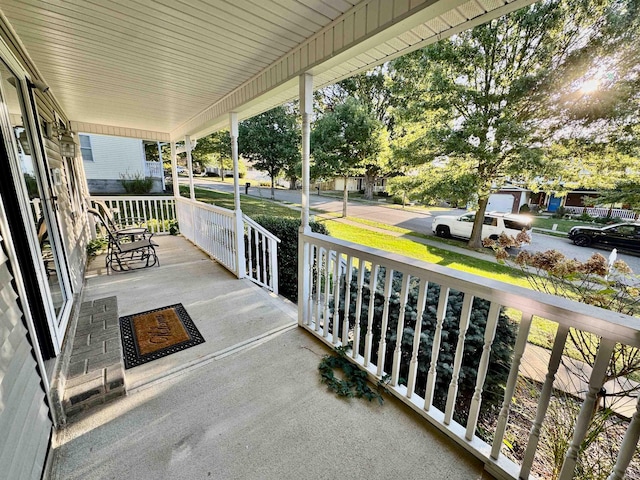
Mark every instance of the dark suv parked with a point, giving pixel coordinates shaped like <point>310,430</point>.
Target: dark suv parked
<point>624,236</point>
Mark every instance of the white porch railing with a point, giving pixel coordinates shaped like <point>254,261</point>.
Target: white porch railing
<point>333,270</point>
<point>603,212</point>
<point>261,252</point>
<point>214,230</point>
<point>158,212</point>
<point>211,228</point>
<point>153,169</point>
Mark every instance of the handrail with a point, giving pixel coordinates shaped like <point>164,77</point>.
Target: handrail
<point>260,228</point>
<point>156,211</point>
<point>334,270</point>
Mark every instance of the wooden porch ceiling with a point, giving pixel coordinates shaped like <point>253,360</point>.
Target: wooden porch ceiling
<point>180,67</point>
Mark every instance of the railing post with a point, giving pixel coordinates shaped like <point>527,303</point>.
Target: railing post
<point>241,262</point>
<point>187,147</point>
<point>305,83</point>
<point>628,446</point>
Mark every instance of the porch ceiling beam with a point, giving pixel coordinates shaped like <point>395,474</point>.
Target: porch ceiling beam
<point>357,32</point>
<point>118,131</point>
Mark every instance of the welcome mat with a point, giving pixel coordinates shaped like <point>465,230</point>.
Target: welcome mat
<point>157,333</point>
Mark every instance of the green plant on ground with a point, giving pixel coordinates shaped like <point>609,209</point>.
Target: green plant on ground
<point>501,351</point>
<point>96,246</point>
<point>286,229</point>
<point>136,184</point>
<point>352,381</point>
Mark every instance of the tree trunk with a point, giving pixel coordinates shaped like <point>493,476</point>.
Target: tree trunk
<point>273,188</point>
<point>369,181</point>
<point>292,183</point>
<point>345,197</point>
<point>476,234</point>
<point>221,169</point>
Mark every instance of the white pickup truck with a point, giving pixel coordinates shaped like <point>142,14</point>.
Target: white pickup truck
<point>494,224</point>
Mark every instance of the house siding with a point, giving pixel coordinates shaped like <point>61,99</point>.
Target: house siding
<point>24,414</point>
<point>113,156</point>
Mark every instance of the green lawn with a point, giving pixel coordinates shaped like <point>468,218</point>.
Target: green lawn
<point>564,225</point>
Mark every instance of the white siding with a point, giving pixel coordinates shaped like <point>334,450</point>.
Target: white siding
<point>24,415</point>
<point>113,156</point>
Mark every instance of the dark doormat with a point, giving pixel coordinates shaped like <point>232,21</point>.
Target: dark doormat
<point>157,333</point>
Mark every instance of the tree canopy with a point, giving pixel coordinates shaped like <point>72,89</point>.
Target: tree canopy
<point>271,141</point>
<point>476,98</point>
<point>344,141</point>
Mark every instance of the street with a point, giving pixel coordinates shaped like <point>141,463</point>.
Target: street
<point>409,219</point>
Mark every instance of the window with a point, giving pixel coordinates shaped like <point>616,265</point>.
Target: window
<point>85,148</point>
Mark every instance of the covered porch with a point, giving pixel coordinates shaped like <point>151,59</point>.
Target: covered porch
<point>247,403</point>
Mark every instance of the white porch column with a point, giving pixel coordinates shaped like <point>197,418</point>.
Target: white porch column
<point>240,256</point>
<point>187,147</point>
<point>174,170</point>
<point>161,167</point>
<point>306,108</point>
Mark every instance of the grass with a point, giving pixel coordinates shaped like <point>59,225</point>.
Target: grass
<point>564,224</point>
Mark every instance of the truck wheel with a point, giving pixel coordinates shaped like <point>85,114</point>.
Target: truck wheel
<point>582,241</point>
<point>443,231</point>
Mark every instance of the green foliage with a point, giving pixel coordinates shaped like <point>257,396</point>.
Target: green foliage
<point>500,354</point>
<point>32,186</point>
<point>136,184</point>
<point>272,141</point>
<point>353,383</point>
<point>95,247</point>
<point>472,102</point>
<point>525,209</point>
<point>560,212</point>
<point>286,229</point>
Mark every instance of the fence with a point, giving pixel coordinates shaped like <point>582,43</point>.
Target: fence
<point>154,169</point>
<point>369,301</point>
<point>603,212</point>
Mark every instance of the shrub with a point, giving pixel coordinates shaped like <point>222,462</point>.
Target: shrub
<point>286,229</point>
<point>559,213</point>
<point>501,351</point>
<point>396,200</point>
<point>525,208</point>
<point>136,184</point>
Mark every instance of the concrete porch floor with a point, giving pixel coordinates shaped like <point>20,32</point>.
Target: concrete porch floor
<point>247,403</point>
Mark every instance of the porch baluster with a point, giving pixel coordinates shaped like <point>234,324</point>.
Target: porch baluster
<point>335,327</point>
<point>435,346</point>
<point>584,417</point>
<point>310,303</point>
<point>382,346</point>
<point>264,259</point>
<point>249,251</point>
<point>356,324</point>
<point>368,338</point>
<point>319,263</point>
<point>397,352</point>
<point>457,362</point>
<point>347,301</point>
<point>518,350</point>
<point>489,335</point>
<point>628,446</point>
<point>417,331</point>
<point>543,401</point>
<point>326,269</point>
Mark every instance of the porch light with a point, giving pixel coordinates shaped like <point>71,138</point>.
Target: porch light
<point>67,146</point>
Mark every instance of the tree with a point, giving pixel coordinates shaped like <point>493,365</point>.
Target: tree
<point>343,142</point>
<point>372,90</point>
<point>214,149</point>
<point>479,93</point>
<point>272,141</point>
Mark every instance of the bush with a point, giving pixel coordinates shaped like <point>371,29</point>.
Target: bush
<point>559,213</point>
<point>501,351</point>
<point>136,184</point>
<point>286,229</point>
<point>396,200</point>
<point>525,209</point>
